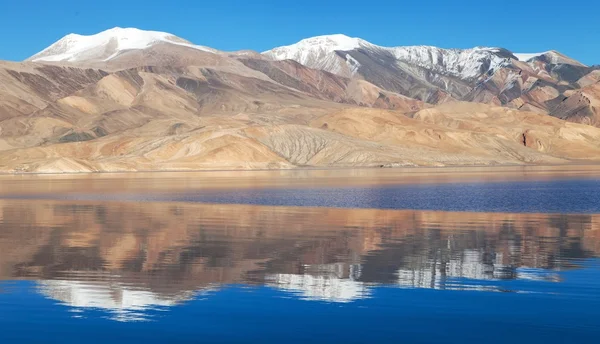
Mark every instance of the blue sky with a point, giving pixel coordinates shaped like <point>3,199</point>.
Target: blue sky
<point>28,26</point>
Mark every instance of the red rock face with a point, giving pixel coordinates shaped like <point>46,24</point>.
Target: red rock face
<point>328,86</point>
<point>583,106</point>
<point>31,87</point>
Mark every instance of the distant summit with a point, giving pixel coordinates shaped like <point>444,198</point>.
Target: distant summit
<point>107,45</point>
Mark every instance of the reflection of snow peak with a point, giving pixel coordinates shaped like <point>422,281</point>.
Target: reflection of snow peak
<point>323,288</point>
<point>124,303</point>
<point>463,272</point>
<point>324,282</point>
<point>430,274</point>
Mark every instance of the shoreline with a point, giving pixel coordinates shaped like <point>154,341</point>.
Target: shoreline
<point>168,181</point>
<point>306,168</point>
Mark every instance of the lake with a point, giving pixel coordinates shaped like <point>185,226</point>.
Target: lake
<point>490,255</point>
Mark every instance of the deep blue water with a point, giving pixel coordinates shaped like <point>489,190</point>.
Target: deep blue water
<point>553,314</point>
<point>555,196</point>
<point>261,314</point>
<point>559,196</point>
<point>514,262</point>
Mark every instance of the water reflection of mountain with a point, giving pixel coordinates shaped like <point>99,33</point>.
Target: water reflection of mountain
<point>130,256</point>
<point>123,302</point>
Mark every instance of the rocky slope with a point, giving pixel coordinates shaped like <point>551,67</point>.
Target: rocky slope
<point>535,82</point>
<point>127,99</point>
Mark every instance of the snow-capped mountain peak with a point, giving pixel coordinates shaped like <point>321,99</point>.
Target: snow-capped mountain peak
<point>107,45</point>
<point>332,42</point>
<point>323,44</point>
<point>337,54</point>
<point>461,63</point>
<point>551,56</point>
<point>321,52</point>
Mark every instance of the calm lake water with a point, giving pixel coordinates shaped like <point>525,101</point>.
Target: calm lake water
<point>490,260</point>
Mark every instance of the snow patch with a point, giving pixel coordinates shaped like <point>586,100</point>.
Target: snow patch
<point>353,64</point>
<point>528,56</point>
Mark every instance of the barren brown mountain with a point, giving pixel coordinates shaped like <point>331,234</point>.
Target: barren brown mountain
<point>172,105</point>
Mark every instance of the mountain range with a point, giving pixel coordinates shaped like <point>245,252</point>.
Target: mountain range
<point>129,100</point>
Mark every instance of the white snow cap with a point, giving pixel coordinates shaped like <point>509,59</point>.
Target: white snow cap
<point>322,52</point>
<point>316,48</point>
<point>552,56</point>
<point>528,56</point>
<point>107,44</point>
<point>327,43</point>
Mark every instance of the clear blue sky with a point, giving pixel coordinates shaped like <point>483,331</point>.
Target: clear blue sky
<point>28,26</point>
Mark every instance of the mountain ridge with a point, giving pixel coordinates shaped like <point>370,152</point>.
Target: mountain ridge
<point>339,41</point>
<point>130,100</point>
